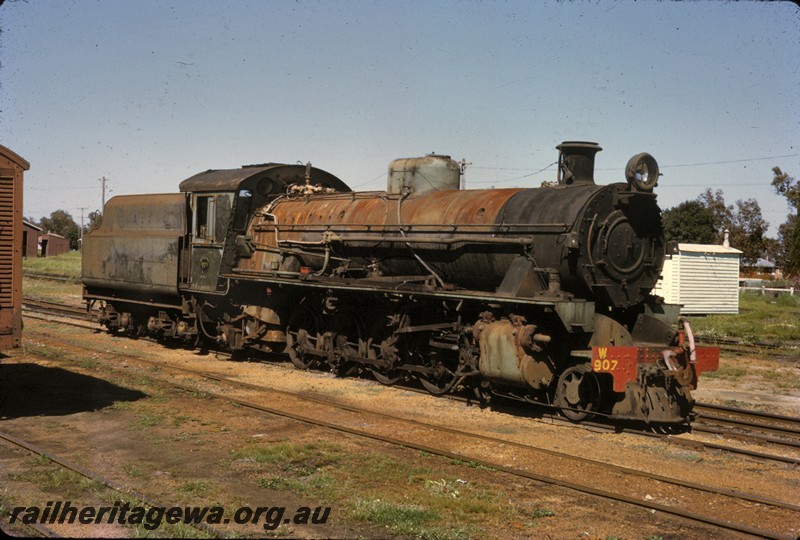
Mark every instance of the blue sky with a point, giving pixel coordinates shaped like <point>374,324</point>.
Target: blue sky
<point>148,93</point>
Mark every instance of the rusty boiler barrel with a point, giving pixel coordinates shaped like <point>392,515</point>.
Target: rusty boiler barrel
<point>596,242</point>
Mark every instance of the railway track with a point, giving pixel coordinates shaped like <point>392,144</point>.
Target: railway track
<point>788,351</point>
<point>38,530</point>
<point>70,466</point>
<point>747,424</point>
<point>710,423</point>
<point>52,277</point>
<point>679,498</point>
<point>737,433</point>
<point>53,308</point>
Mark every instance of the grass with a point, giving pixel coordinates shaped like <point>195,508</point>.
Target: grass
<point>66,264</point>
<point>760,319</point>
<point>401,518</point>
<point>423,498</point>
<point>51,291</point>
<point>144,421</point>
<point>134,470</point>
<point>51,477</point>
<point>194,489</point>
<point>726,371</point>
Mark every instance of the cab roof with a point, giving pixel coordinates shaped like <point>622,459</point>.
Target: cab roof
<point>250,176</point>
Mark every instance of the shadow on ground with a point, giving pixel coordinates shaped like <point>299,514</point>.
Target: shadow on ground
<point>34,390</point>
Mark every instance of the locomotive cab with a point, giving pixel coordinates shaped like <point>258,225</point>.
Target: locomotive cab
<point>222,203</point>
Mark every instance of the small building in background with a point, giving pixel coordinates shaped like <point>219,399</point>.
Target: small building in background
<point>52,244</point>
<point>30,239</point>
<point>702,278</point>
<point>765,266</point>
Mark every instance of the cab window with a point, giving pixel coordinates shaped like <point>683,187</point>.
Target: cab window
<point>243,202</point>
<point>204,217</point>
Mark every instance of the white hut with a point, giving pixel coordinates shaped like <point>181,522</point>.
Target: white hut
<point>702,278</point>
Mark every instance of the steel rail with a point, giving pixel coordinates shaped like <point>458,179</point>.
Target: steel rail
<point>53,307</point>
<point>727,525</point>
<point>665,437</point>
<point>754,437</point>
<point>786,432</point>
<point>791,420</point>
<point>487,463</point>
<point>489,438</point>
<point>97,478</point>
<point>41,530</point>
<point>52,277</point>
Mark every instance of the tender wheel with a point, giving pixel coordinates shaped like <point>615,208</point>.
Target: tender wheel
<point>302,336</point>
<point>578,392</point>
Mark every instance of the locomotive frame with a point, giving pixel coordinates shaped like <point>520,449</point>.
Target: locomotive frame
<point>539,294</point>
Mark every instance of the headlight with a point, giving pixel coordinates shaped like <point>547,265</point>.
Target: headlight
<point>642,172</point>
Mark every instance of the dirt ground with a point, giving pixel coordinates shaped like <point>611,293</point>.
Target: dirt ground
<point>185,448</point>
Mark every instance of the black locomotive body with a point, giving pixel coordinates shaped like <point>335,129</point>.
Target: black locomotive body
<point>539,294</point>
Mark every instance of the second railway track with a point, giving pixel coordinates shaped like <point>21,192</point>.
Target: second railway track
<point>737,424</point>
<point>695,502</point>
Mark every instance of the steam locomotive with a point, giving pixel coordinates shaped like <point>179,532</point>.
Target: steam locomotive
<point>537,294</point>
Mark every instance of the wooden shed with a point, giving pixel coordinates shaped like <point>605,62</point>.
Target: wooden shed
<point>703,278</point>
<point>12,167</point>
<point>52,244</point>
<point>30,239</point>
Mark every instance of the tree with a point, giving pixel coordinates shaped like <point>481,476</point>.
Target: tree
<point>784,241</point>
<point>748,231</point>
<point>789,232</point>
<point>744,222</point>
<point>60,222</point>
<point>723,214</point>
<point>690,222</point>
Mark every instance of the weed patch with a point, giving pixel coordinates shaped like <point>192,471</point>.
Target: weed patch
<point>726,371</point>
<point>401,518</point>
<point>760,319</point>
<point>194,488</point>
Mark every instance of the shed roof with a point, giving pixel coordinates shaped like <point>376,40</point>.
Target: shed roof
<point>13,156</point>
<point>708,248</point>
<point>27,223</point>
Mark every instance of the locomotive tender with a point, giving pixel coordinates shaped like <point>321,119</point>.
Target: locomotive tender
<point>538,294</point>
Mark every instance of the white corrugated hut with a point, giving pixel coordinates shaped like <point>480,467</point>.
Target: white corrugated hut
<point>703,278</point>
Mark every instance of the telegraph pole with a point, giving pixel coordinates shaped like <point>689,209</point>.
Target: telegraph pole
<point>82,208</point>
<point>103,181</point>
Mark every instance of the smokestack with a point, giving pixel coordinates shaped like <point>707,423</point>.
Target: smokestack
<point>576,162</point>
<point>726,239</point>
